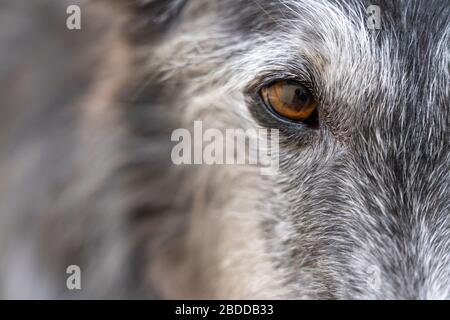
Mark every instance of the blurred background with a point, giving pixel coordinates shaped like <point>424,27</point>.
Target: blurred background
<point>55,150</point>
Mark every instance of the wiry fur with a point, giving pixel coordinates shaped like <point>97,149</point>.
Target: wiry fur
<point>368,190</point>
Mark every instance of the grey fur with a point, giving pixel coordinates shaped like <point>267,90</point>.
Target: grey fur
<point>86,178</point>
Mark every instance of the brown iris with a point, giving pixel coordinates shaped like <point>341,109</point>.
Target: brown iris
<point>290,100</point>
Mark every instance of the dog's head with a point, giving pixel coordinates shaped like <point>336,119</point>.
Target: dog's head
<point>361,207</point>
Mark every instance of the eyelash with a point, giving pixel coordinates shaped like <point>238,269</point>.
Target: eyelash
<point>305,80</point>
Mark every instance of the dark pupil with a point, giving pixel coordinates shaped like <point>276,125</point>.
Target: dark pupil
<point>295,96</point>
<point>301,96</point>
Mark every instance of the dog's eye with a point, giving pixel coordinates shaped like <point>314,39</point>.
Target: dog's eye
<point>290,100</point>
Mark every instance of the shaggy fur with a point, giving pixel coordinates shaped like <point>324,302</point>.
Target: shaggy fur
<point>359,208</point>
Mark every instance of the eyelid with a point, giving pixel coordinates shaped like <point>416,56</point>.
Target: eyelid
<point>266,79</point>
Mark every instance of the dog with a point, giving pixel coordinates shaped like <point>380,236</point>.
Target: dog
<point>358,208</point>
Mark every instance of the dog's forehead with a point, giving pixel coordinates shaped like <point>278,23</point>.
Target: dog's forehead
<point>407,17</point>
<point>405,57</point>
<point>408,30</point>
